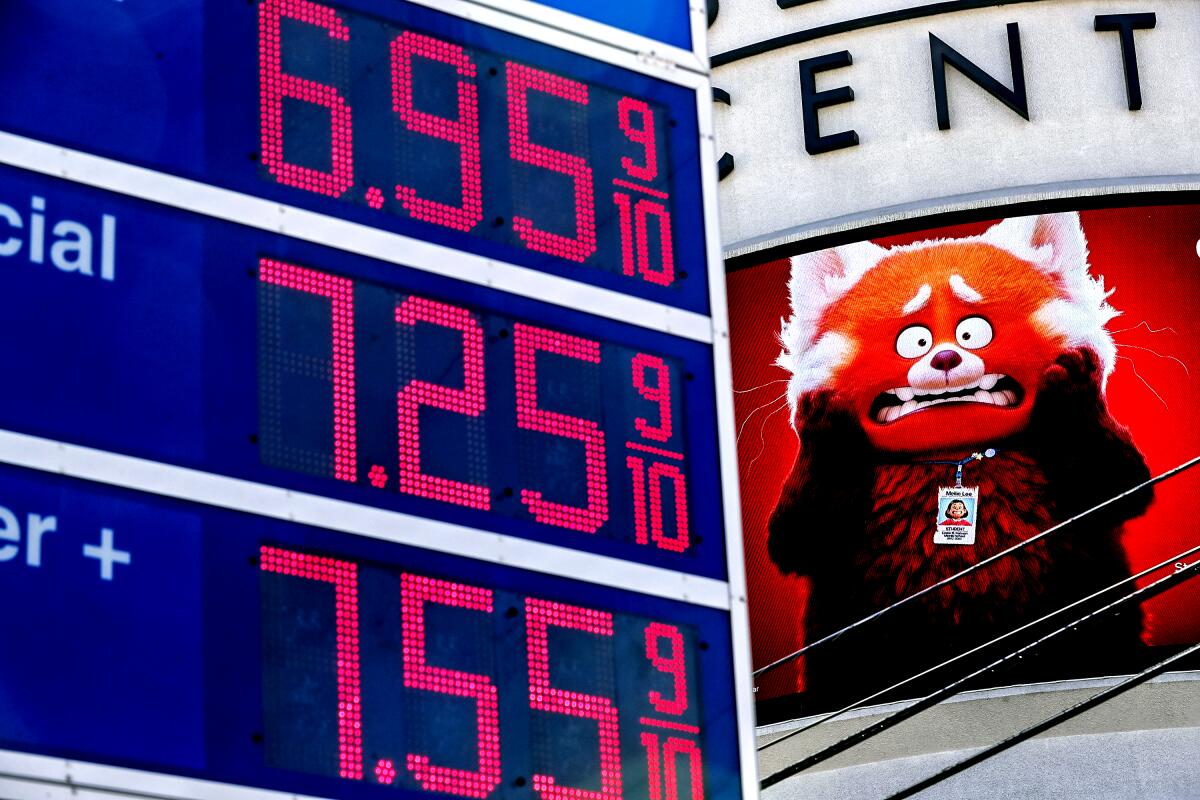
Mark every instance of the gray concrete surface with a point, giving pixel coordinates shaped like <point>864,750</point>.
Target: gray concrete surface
<point>1144,745</point>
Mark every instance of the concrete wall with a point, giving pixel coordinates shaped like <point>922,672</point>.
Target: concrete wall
<point>1080,138</point>
<point>1143,745</point>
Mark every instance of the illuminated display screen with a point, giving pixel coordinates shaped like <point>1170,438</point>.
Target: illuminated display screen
<point>478,666</point>
<point>253,355</point>
<point>265,653</point>
<point>387,114</point>
<point>404,392</point>
<point>480,143</point>
<point>1076,409</point>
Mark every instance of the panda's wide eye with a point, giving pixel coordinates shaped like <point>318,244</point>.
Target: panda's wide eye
<point>914,341</point>
<point>973,332</point>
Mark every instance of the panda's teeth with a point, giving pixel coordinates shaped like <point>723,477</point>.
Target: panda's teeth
<point>984,397</point>
<point>988,382</point>
<point>905,393</point>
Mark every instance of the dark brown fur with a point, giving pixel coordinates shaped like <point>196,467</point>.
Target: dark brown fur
<point>860,527</point>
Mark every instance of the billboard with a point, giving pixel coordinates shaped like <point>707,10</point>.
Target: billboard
<point>911,404</point>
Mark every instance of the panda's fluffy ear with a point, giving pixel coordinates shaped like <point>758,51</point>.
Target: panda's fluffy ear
<point>818,279</point>
<point>1053,242</point>
<point>1056,245</point>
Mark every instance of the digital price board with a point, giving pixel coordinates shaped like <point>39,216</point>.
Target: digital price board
<point>286,657</point>
<point>256,356</point>
<point>388,114</point>
<point>373,430</point>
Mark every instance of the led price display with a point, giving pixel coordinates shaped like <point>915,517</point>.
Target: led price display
<point>410,393</point>
<point>253,355</point>
<point>387,114</point>
<point>417,681</point>
<point>262,652</point>
<point>419,125</point>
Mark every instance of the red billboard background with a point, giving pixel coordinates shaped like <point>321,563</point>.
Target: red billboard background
<point>1149,256</point>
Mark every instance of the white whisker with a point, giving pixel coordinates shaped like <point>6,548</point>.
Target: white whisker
<point>755,411</point>
<point>761,386</point>
<point>762,442</point>
<point>1145,382</point>
<point>1146,325</point>
<point>1160,355</point>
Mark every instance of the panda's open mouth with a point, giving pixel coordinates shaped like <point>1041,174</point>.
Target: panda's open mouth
<point>993,389</point>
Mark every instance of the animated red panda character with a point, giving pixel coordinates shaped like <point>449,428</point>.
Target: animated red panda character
<point>930,352</point>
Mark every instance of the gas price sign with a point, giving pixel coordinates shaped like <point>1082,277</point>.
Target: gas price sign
<point>348,378</point>
<point>547,390</point>
<point>343,666</point>
<point>391,115</point>
<point>376,433</point>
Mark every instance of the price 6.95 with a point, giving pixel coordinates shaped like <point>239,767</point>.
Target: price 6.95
<point>462,139</point>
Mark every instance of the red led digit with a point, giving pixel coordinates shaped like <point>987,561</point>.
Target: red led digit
<point>671,750</point>
<point>471,400</point>
<point>653,766</point>
<point>679,542</point>
<point>625,214</point>
<point>659,393</point>
<point>340,292</point>
<point>521,80</point>
<point>642,211</point>
<point>539,616</point>
<point>674,747</point>
<point>415,592</point>
<point>627,108</point>
<point>652,517</point>
<point>527,341</point>
<point>463,131</point>
<point>274,86</point>
<point>674,665</point>
<point>635,239</point>
<point>344,577</point>
<point>637,471</point>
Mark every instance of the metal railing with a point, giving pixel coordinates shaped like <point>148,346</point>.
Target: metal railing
<point>932,699</point>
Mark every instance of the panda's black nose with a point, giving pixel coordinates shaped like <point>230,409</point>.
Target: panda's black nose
<point>945,360</point>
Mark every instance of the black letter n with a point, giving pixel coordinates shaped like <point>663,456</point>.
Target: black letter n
<point>941,54</point>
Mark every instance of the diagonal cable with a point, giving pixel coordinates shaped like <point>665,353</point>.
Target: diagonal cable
<point>986,645</point>
<point>953,688</point>
<point>1048,723</point>
<point>977,566</point>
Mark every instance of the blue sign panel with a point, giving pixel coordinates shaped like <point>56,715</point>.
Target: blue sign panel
<point>664,20</point>
<point>177,638</point>
<point>383,113</point>
<point>165,335</point>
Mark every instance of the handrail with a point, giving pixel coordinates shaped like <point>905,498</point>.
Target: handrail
<point>1046,724</point>
<point>953,688</point>
<point>986,645</point>
<point>979,565</point>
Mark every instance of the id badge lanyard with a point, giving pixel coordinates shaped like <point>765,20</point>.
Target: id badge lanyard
<point>958,505</point>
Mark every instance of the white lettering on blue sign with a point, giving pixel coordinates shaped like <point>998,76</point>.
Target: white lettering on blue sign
<point>73,245</point>
<point>106,554</point>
